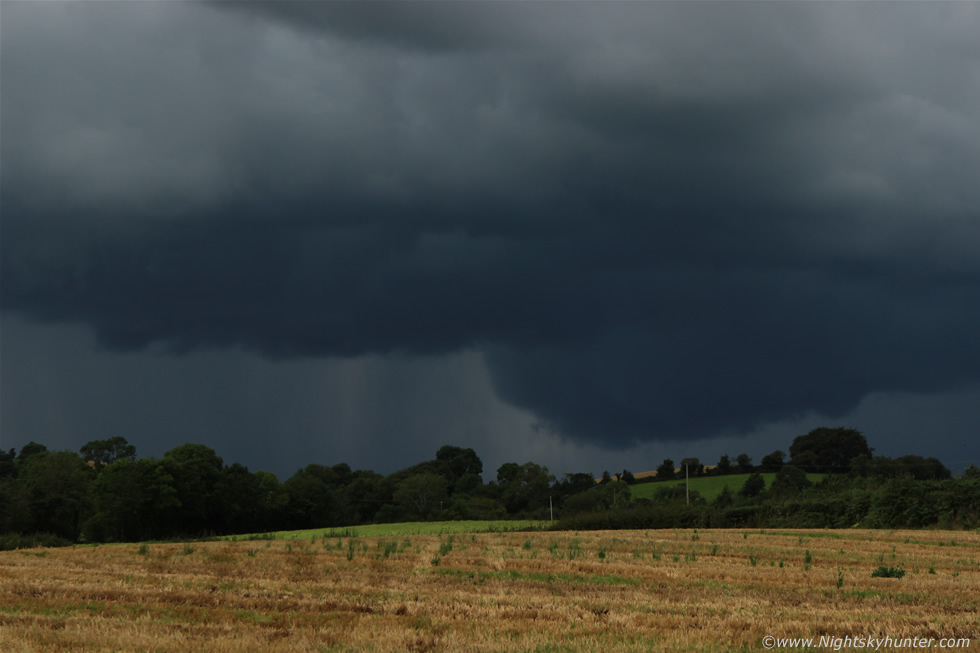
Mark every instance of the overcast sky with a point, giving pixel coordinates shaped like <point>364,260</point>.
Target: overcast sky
<point>593,235</point>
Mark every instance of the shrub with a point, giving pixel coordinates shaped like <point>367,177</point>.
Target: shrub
<point>888,572</point>
<point>11,541</point>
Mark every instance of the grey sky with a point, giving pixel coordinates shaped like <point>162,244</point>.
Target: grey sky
<point>311,230</point>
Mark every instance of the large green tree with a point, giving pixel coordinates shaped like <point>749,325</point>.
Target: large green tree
<point>197,473</point>
<point>828,449</point>
<point>106,452</point>
<point>459,463</point>
<point>665,471</point>
<point>524,488</point>
<point>57,484</point>
<point>422,495</point>
<point>132,500</point>
<point>773,462</point>
<point>317,498</point>
<point>724,465</point>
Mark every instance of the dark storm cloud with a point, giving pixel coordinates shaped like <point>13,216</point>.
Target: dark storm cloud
<point>654,220</point>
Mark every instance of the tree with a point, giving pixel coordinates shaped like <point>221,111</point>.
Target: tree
<point>573,483</point>
<point>57,485</point>
<point>421,494</point>
<point>828,449</point>
<point>468,484</point>
<point>588,501</point>
<point>724,498</point>
<point>459,463</point>
<point>240,494</point>
<point>196,470</point>
<point>366,495</point>
<point>30,449</point>
<point>272,502</point>
<point>614,494</point>
<point>773,462</point>
<point>666,470</point>
<point>790,480</point>
<point>106,452</point>
<point>524,488</point>
<point>971,472</point>
<point>628,477</point>
<point>744,463</point>
<point>131,499</point>
<point>923,469</point>
<point>676,494</point>
<point>724,465</point>
<point>691,467</point>
<point>316,497</point>
<point>7,465</point>
<point>754,485</point>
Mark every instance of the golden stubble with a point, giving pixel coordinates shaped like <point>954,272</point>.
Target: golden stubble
<point>615,591</point>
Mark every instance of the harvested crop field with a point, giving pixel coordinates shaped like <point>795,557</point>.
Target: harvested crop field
<point>709,590</point>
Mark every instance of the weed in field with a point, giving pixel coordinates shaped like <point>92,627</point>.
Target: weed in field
<point>251,552</point>
<point>351,548</point>
<point>840,577</point>
<point>144,550</point>
<point>387,547</point>
<point>601,554</point>
<point>752,561</point>
<point>714,550</point>
<point>932,570</point>
<point>527,545</point>
<point>807,558</point>
<point>553,549</point>
<point>188,549</point>
<point>446,547</point>
<point>436,560</point>
<point>888,572</point>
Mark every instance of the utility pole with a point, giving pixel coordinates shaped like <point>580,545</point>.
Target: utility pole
<point>687,484</point>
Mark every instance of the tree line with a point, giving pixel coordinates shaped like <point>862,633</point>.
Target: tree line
<point>104,493</point>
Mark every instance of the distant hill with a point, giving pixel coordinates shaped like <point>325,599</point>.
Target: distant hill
<point>648,475</point>
<point>708,487</point>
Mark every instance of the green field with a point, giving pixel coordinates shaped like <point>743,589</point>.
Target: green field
<point>709,487</point>
<point>406,528</point>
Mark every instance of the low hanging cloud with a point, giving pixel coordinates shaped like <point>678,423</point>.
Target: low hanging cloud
<point>654,221</point>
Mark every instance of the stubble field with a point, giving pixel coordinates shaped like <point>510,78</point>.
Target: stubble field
<point>709,590</point>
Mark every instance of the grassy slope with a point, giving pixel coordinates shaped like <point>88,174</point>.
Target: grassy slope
<point>708,486</point>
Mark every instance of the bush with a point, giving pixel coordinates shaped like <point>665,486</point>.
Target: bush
<point>11,541</point>
<point>888,572</point>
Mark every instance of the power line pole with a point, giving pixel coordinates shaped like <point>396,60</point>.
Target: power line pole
<point>687,484</point>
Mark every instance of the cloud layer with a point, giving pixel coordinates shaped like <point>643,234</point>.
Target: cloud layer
<point>652,220</point>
